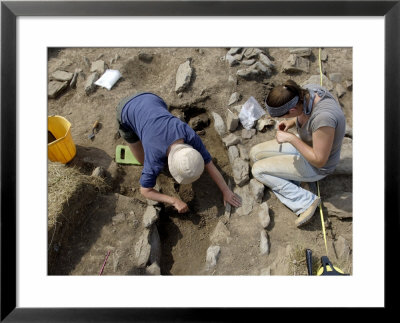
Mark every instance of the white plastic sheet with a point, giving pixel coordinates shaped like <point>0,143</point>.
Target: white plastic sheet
<point>250,112</point>
<point>108,79</point>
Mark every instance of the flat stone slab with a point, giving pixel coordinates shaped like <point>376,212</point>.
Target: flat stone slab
<point>231,140</point>
<point>295,64</point>
<point>55,88</point>
<point>183,76</point>
<point>62,76</point>
<point>240,169</point>
<point>219,124</point>
<point>247,200</point>
<point>98,66</point>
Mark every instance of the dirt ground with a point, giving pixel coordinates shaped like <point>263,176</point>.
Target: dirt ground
<point>185,238</point>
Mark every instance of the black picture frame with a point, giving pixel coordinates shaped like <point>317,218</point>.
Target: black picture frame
<point>10,10</point>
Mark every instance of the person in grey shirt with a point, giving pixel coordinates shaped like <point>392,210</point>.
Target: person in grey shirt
<point>309,156</point>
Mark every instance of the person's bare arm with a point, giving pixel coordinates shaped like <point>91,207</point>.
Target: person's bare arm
<point>318,154</point>
<point>152,194</point>
<point>229,196</point>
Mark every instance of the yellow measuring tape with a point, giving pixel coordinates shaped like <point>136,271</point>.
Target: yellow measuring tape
<point>320,205</point>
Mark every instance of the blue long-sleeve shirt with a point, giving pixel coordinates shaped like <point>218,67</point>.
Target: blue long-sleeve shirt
<point>148,116</point>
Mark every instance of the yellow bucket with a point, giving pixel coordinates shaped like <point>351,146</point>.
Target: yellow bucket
<point>61,148</point>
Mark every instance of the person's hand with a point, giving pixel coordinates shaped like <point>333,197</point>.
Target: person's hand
<point>282,136</point>
<point>285,125</point>
<point>180,206</point>
<point>232,198</point>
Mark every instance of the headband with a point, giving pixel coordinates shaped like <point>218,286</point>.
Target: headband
<point>283,109</point>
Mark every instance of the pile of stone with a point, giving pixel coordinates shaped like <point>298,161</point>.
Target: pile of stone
<point>62,80</point>
<point>255,62</point>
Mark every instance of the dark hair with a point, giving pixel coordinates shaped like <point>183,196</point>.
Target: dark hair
<point>282,94</point>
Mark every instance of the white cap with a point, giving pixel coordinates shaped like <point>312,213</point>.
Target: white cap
<point>185,163</point>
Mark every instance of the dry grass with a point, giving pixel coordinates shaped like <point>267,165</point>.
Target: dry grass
<point>63,182</point>
<point>298,262</point>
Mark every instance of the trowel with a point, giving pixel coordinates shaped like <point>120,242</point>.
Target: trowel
<point>95,125</point>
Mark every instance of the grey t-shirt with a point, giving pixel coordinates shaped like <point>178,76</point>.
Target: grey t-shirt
<point>326,113</point>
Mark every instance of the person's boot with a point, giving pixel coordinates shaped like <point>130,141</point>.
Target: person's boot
<point>307,215</point>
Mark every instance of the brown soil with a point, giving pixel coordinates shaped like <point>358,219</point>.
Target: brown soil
<point>184,237</point>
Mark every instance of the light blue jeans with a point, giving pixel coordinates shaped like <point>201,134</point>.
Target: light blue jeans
<point>280,166</point>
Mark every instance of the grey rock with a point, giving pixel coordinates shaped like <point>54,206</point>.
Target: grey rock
<point>89,85</point>
<point>145,57</point>
<point>212,256</point>
<point>231,60</point>
<point>235,97</point>
<point>264,243</point>
<point>240,171</point>
<point>99,172</point>
<point>248,134</point>
<point>349,85</point>
<point>199,122</point>
<point>231,140</point>
<point>340,90</point>
<point>119,218</point>
<point>349,131</point>
<point>266,61</point>
<point>55,88</point>
<point>143,249</point>
<point>295,64</point>
<point>233,153</point>
<point>247,73</point>
<point>261,68</point>
<point>152,202</point>
<point>304,52</point>
<point>336,77</point>
<point>61,76</point>
<point>257,189</point>
<point>74,79</point>
<point>155,242</point>
<point>98,66</point>
<point>316,79</point>
<point>153,269</point>
<point>234,50</point>
<point>86,61</point>
<point>238,56</point>
<point>232,120</point>
<point>251,52</point>
<point>237,108</point>
<point>183,76</point>
<point>263,124</point>
<point>114,59</point>
<point>220,234</point>
<point>324,55</point>
<point>249,62</point>
<point>343,249</point>
<point>263,215</point>
<point>247,200</point>
<point>340,205</point>
<point>219,124</point>
<point>150,216</point>
<point>345,166</point>
<point>243,152</point>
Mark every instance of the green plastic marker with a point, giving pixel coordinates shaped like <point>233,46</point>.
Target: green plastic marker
<point>123,155</point>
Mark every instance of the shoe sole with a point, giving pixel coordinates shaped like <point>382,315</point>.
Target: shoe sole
<point>308,218</point>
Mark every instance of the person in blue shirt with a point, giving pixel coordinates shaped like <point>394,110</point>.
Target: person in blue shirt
<point>156,137</point>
